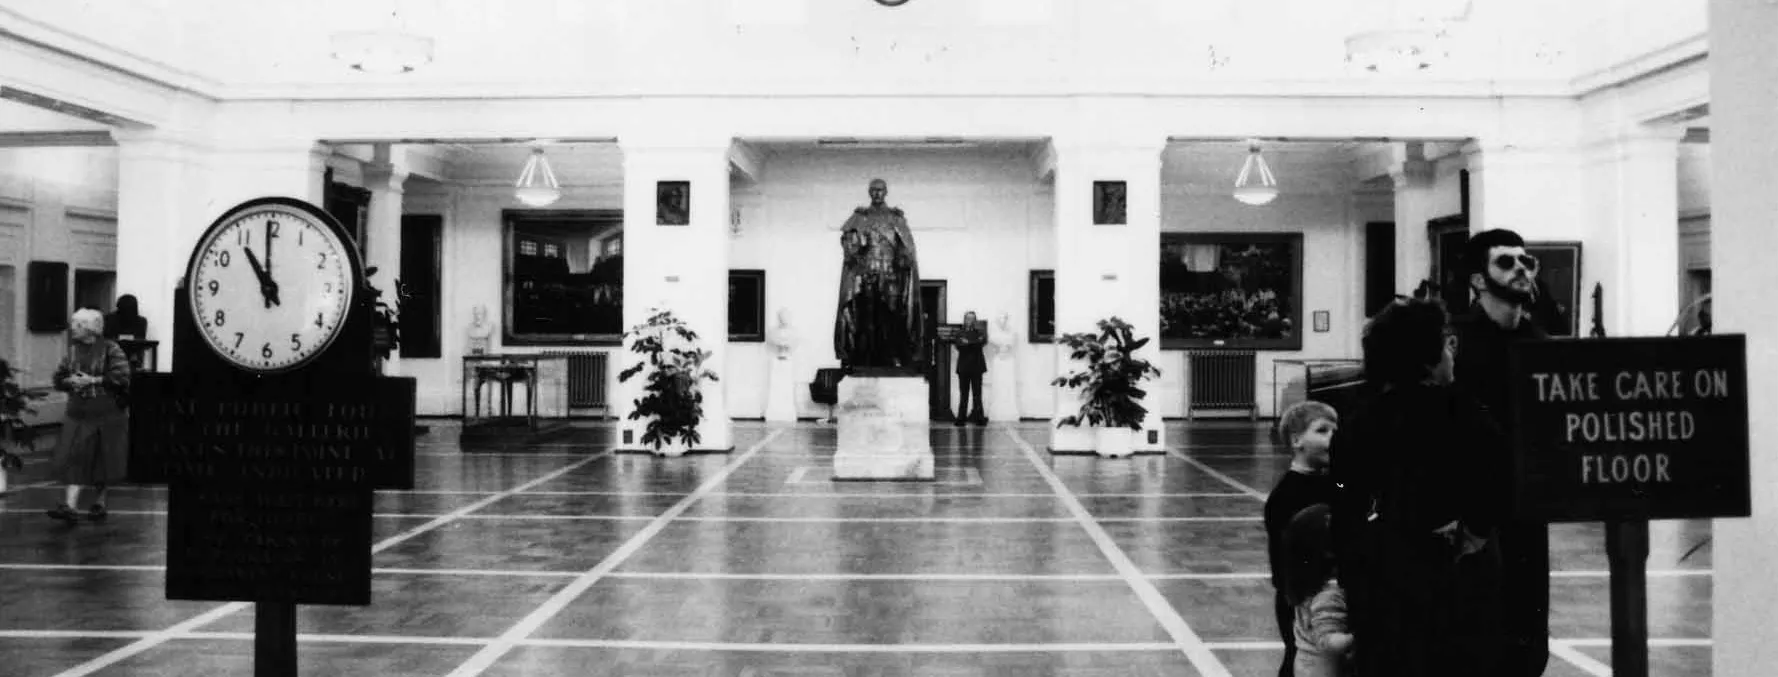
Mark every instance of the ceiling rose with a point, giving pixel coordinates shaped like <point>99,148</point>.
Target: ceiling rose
<point>384,52</point>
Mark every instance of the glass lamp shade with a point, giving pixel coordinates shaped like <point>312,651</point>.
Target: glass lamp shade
<point>383,53</point>
<point>538,196</point>
<point>537,185</point>
<point>1256,194</point>
<point>1252,189</point>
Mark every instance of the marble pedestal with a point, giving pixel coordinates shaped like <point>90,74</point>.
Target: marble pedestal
<point>781,391</point>
<point>883,429</point>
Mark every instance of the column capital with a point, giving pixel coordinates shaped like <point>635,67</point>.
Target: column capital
<point>1411,174</point>
<point>384,177</point>
<point>1480,155</point>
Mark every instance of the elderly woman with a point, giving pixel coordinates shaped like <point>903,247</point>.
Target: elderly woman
<point>94,446</point>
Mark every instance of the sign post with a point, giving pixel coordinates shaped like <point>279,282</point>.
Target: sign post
<point>271,448</point>
<point>1624,431</point>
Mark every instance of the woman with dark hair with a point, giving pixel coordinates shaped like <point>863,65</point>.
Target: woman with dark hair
<point>125,320</point>
<point>1417,506</point>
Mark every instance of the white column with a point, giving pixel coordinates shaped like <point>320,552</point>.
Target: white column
<point>161,192</point>
<point>1635,216</point>
<point>385,178</point>
<point>1536,192</point>
<point>1414,200</point>
<point>680,268</point>
<point>1108,270</point>
<point>1743,143</point>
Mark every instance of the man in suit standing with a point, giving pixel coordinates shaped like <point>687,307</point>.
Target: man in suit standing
<point>970,367</point>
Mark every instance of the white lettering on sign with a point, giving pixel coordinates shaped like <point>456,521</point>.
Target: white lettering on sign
<point>1569,387</point>
<point>1621,469</point>
<point>1714,383</point>
<point>1660,385</point>
<point>1630,426</point>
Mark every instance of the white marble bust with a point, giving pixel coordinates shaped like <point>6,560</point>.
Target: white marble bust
<point>783,336</point>
<point>1001,338</point>
<point>480,332</point>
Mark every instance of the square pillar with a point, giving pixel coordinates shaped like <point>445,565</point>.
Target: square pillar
<point>161,195</point>
<point>1108,270</point>
<point>384,178</point>
<point>679,268</point>
<point>1634,210</point>
<point>1415,198</point>
<point>1742,98</point>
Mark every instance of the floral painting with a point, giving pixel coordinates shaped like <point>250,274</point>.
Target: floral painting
<point>1233,290</point>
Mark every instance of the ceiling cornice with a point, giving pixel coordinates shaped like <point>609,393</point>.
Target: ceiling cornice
<point>29,30</point>
<point>1676,55</point>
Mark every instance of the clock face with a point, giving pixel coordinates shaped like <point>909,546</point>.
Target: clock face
<point>270,286</point>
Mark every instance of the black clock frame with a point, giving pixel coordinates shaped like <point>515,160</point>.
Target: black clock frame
<point>350,354</point>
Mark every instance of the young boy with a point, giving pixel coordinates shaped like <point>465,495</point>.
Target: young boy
<point>1308,427</point>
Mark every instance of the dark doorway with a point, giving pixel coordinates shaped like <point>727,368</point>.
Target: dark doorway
<point>938,355</point>
<point>1379,266</point>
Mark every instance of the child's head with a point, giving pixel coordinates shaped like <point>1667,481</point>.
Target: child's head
<point>1308,427</point>
<point>1309,541</point>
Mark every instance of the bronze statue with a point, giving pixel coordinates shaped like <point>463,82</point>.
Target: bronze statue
<point>878,323</point>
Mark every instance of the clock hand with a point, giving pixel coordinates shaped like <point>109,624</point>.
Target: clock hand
<point>268,290</point>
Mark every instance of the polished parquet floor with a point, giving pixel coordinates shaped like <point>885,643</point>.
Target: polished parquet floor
<point>565,559</point>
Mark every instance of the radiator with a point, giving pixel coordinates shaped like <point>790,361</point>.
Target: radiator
<point>586,377</point>
<point>1221,379</point>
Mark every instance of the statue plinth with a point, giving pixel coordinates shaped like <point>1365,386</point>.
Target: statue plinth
<point>884,425</point>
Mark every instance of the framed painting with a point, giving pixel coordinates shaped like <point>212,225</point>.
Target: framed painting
<point>1041,321</point>
<point>672,203</point>
<point>1557,308</point>
<point>1448,235</point>
<point>747,306</point>
<point>1232,290</point>
<point>1109,202</point>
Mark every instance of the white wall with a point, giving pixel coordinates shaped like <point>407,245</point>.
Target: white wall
<point>981,222</point>
<point>56,204</point>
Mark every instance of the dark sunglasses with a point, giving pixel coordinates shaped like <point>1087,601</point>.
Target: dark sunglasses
<point>1506,261</point>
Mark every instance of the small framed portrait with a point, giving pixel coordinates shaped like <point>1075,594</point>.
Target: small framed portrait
<point>1108,203</point>
<point>672,203</point>
<point>1321,321</point>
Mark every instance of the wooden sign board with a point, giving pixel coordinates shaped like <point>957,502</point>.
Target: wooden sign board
<point>1630,429</point>
<point>254,543</point>
<point>949,332</point>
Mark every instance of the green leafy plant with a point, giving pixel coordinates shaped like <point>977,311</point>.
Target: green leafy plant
<point>1111,377</point>
<point>15,403</point>
<point>673,398</point>
<point>387,315</point>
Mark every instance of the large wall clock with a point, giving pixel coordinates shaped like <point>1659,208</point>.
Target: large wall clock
<point>271,284</point>
<point>892,3</point>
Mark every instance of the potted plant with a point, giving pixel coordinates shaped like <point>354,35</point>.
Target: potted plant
<point>1109,384</point>
<point>386,330</point>
<point>672,399</point>
<point>15,434</point>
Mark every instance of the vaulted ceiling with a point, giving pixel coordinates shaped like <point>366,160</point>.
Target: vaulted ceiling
<point>280,49</point>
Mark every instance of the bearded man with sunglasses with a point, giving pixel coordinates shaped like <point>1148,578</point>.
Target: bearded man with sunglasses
<point>1504,278</point>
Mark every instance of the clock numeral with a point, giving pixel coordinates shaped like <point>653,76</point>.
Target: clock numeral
<point>215,287</point>
<point>271,228</point>
<point>327,287</point>
<point>265,351</point>
<point>296,343</point>
<point>322,263</point>
<point>318,320</point>
<point>238,337</point>
<point>241,236</point>
<point>299,237</point>
<point>220,318</point>
<point>222,259</point>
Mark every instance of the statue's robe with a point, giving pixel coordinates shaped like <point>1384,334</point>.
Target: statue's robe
<point>878,322</point>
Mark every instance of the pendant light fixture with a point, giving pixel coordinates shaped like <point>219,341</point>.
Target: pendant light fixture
<point>537,185</point>
<point>1251,190</point>
<point>388,50</point>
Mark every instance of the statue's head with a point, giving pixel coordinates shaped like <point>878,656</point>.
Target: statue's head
<point>879,189</point>
<point>783,317</point>
<point>480,314</point>
<point>1005,319</point>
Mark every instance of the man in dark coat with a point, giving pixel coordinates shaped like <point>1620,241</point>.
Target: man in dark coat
<point>878,321</point>
<point>970,367</point>
<point>1504,277</point>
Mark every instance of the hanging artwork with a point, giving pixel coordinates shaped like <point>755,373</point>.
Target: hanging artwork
<point>1109,203</point>
<point>672,203</point>
<point>1232,290</point>
<point>1556,309</point>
